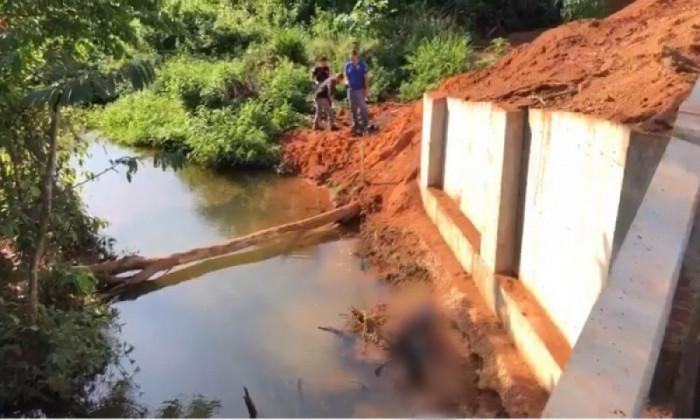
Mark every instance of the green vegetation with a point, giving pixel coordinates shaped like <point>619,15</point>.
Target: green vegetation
<point>432,61</point>
<point>56,335</point>
<point>583,9</point>
<point>234,75</point>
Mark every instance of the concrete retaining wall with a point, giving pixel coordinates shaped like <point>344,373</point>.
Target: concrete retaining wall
<point>645,327</point>
<point>537,206</point>
<point>610,369</point>
<point>585,180</point>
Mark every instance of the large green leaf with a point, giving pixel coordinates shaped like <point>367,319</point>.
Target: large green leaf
<point>91,85</point>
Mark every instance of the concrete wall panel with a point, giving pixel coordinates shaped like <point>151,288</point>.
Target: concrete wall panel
<point>575,174</point>
<point>610,369</point>
<point>482,162</point>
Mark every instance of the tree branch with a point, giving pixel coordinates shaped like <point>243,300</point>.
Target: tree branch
<point>118,162</point>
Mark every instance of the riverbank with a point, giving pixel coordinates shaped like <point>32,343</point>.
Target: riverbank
<point>594,67</point>
<point>401,242</point>
<point>248,318</point>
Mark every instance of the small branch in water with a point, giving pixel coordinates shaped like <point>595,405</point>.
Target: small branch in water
<point>117,162</point>
<point>380,368</point>
<point>302,405</point>
<point>252,411</point>
<point>332,330</point>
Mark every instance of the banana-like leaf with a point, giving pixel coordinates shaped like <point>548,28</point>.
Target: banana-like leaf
<point>85,88</point>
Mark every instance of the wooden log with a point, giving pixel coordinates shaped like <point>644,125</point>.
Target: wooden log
<point>147,267</point>
<point>199,269</point>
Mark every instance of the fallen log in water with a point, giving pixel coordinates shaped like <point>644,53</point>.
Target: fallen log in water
<point>274,248</point>
<point>147,267</point>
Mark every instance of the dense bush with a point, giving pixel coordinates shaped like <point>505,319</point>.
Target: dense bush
<point>286,83</point>
<point>221,138</point>
<point>144,119</point>
<point>234,75</point>
<point>289,43</point>
<point>47,364</point>
<point>434,60</point>
<point>584,9</point>
<point>214,111</point>
<point>198,82</point>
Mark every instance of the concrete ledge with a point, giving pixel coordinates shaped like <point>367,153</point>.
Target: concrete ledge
<point>687,126</point>
<point>611,366</point>
<point>673,387</point>
<point>455,228</point>
<point>539,342</point>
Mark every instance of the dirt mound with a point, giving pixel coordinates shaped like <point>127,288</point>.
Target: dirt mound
<point>614,68</point>
<point>390,158</point>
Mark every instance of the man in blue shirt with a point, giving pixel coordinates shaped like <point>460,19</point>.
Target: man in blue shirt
<point>358,90</point>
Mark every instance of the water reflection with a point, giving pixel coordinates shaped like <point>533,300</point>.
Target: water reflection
<point>241,203</point>
<point>122,402</point>
<point>248,319</point>
<point>292,245</point>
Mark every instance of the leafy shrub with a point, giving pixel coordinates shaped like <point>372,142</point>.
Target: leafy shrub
<point>432,61</point>
<point>289,43</point>
<point>143,119</point>
<point>383,83</point>
<point>47,365</point>
<point>583,9</point>
<point>202,28</point>
<point>199,82</point>
<point>496,49</point>
<point>221,138</point>
<point>286,84</point>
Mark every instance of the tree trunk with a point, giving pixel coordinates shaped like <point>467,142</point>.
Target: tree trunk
<point>148,267</point>
<point>44,214</point>
<point>199,269</point>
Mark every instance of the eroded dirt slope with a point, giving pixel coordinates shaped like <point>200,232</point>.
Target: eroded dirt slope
<point>614,68</point>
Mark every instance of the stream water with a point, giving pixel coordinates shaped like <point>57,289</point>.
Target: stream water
<point>248,319</point>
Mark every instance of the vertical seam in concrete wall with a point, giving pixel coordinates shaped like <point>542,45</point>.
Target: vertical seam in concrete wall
<point>509,192</point>
<point>443,145</point>
<point>522,189</point>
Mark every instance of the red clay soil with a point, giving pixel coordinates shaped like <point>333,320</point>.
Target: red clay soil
<point>611,68</point>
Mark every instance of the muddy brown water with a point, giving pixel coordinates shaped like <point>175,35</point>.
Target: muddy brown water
<point>248,319</point>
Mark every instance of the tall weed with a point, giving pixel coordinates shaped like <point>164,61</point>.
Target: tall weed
<point>291,44</point>
<point>434,60</point>
<point>143,119</point>
<point>198,82</point>
<point>286,83</point>
<point>583,9</point>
